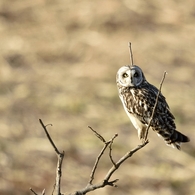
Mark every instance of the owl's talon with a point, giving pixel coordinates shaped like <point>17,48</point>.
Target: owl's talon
<point>146,141</point>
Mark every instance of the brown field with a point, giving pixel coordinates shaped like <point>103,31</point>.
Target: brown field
<point>58,62</point>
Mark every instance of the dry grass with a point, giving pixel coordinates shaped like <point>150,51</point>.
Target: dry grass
<point>58,63</point>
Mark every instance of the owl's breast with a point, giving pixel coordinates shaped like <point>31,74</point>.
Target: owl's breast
<point>129,107</point>
<point>138,124</point>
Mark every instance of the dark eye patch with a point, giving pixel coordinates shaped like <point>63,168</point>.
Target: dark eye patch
<point>136,74</point>
<point>125,75</point>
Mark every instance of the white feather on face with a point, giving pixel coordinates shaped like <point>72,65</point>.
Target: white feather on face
<point>130,76</point>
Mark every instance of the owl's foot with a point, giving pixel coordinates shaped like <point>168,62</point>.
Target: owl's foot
<point>143,135</point>
<point>144,141</point>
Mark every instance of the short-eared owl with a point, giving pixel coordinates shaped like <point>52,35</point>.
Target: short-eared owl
<point>138,98</point>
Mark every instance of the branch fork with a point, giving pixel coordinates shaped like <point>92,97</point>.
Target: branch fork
<point>107,144</point>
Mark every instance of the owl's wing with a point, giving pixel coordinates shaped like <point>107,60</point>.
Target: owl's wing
<point>141,103</point>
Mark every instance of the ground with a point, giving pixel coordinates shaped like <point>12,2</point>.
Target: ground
<point>58,63</point>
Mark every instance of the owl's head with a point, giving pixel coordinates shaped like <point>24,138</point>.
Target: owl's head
<point>130,76</point>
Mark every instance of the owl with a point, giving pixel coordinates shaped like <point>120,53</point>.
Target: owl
<point>138,98</point>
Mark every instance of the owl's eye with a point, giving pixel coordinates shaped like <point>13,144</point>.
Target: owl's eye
<point>125,75</point>
<point>136,74</point>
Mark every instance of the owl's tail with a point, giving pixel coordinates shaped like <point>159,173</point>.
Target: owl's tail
<point>175,139</point>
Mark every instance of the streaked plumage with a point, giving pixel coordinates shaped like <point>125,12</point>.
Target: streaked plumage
<point>138,98</point>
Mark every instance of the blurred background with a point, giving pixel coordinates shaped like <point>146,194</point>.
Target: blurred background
<point>58,61</point>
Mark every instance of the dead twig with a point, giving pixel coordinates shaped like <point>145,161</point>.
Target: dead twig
<point>130,53</point>
<point>60,155</point>
<point>98,135</point>
<point>110,147</point>
<point>155,105</point>
<point>43,192</point>
<point>33,191</point>
<point>48,136</point>
<point>99,156</point>
<point>105,181</point>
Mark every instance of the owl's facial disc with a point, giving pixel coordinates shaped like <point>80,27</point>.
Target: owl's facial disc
<point>124,76</point>
<point>130,76</point>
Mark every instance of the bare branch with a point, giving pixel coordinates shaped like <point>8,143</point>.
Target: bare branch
<point>48,136</point>
<point>105,181</point>
<point>124,158</point>
<point>60,156</point>
<point>33,191</point>
<point>155,105</point>
<point>97,161</point>
<point>115,165</point>
<point>130,53</point>
<point>43,192</point>
<point>97,134</point>
<point>99,156</point>
<point>110,147</point>
<point>59,173</point>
